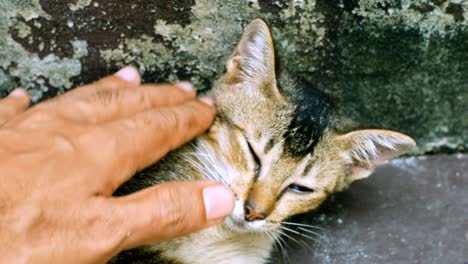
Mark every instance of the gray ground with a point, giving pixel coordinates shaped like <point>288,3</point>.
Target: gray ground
<point>414,210</point>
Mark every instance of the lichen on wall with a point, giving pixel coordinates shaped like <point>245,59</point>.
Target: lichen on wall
<point>20,67</point>
<point>79,4</point>
<point>408,62</point>
<point>197,50</point>
<point>398,64</point>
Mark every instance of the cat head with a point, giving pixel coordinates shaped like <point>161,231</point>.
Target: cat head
<point>276,147</point>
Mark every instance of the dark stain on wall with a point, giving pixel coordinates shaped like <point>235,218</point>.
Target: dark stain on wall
<point>456,10</point>
<point>103,25</point>
<point>272,6</point>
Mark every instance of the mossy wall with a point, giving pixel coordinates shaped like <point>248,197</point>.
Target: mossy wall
<point>400,64</point>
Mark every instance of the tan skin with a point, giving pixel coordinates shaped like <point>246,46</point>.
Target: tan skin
<point>61,160</point>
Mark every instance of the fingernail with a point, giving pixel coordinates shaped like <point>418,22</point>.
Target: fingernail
<point>18,92</point>
<point>128,73</point>
<point>207,100</point>
<point>219,201</point>
<point>185,86</point>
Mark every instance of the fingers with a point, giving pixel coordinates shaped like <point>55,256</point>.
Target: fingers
<point>127,77</point>
<point>17,102</point>
<point>137,142</point>
<point>119,96</point>
<point>107,105</point>
<point>172,209</point>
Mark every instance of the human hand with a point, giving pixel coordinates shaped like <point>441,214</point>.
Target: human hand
<point>61,160</point>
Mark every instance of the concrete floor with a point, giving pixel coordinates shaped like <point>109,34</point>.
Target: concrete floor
<point>413,210</point>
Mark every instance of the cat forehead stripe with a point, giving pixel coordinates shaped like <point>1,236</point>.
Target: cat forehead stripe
<point>310,119</point>
<point>269,145</point>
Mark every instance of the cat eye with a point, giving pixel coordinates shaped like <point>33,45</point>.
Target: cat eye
<point>299,189</point>
<point>256,159</point>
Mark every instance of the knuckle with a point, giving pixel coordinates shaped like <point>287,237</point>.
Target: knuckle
<point>172,119</point>
<point>129,125</point>
<point>7,110</point>
<point>106,233</point>
<point>63,144</point>
<point>192,120</point>
<point>110,82</point>
<point>179,222</point>
<point>189,120</point>
<point>84,108</point>
<point>155,119</point>
<point>41,115</point>
<point>144,99</point>
<point>177,219</point>
<point>106,96</point>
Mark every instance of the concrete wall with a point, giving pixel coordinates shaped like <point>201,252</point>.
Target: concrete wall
<point>400,64</point>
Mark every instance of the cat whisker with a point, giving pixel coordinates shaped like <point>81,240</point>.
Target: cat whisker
<point>272,237</point>
<point>304,225</point>
<point>216,169</point>
<point>306,228</point>
<point>311,232</point>
<point>208,170</point>
<point>317,237</point>
<point>299,242</point>
<point>197,154</point>
<point>280,242</point>
<point>200,164</point>
<point>202,169</point>
<point>321,240</point>
<point>207,161</point>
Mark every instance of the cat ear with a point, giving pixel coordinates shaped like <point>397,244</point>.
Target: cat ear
<point>365,149</point>
<point>253,60</point>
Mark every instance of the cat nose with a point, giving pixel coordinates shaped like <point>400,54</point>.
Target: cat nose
<point>251,214</point>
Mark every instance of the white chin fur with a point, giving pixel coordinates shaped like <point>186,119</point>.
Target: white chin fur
<point>243,226</point>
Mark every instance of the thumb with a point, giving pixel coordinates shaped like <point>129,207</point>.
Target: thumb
<point>173,209</point>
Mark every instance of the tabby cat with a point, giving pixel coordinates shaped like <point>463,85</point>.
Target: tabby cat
<point>275,144</point>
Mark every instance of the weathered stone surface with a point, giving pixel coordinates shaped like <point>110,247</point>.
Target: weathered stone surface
<point>400,64</point>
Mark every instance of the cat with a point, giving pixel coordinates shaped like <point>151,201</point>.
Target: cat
<point>274,142</point>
